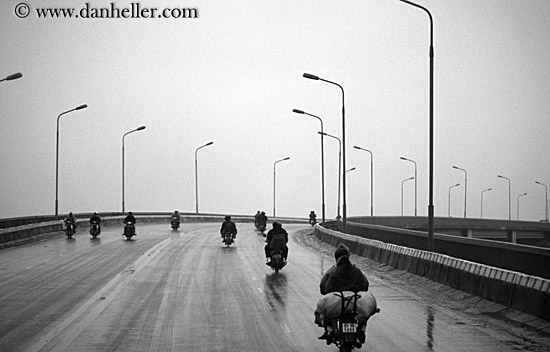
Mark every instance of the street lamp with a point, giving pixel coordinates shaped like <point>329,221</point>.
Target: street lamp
<point>310,76</point>
<point>80,107</point>
<point>509,196</point>
<point>449,205</point>
<point>12,77</point>
<point>485,190</point>
<point>415,182</point>
<point>274,178</point>
<point>545,200</point>
<point>197,179</point>
<point>465,186</point>
<point>521,195</point>
<point>322,159</point>
<point>431,246</point>
<point>402,182</point>
<point>371,179</point>
<point>338,217</point>
<point>123,136</point>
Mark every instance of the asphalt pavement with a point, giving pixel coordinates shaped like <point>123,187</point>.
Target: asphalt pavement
<point>185,291</point>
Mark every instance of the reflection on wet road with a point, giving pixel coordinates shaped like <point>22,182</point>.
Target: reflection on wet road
<point>186,291</point>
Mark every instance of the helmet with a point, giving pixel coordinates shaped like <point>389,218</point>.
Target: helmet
<point>276,224</point>
<point>341,250</point>
<point>95,213</point>
<point>228,218</point>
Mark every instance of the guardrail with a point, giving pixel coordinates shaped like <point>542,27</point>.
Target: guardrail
<point>530,260</point>
<point>516,290</point>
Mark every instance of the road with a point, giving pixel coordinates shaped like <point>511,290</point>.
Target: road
<point>184,291</point>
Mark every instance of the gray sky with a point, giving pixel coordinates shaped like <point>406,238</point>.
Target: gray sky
<point>233,76</point>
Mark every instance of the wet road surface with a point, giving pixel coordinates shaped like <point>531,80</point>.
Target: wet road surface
<point>184,291</point>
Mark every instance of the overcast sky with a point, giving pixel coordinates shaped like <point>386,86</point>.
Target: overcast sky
<point>233,76</point>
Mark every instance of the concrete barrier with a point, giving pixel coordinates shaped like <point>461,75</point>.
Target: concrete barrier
<point>526,293</point>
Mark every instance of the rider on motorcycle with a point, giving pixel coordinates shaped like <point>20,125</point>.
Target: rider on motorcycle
<point>277,237</point>
<point>343,276</point>
<point>95,219</point>
<point>70,219</point>
<point>228,226</point>
<point>262,219</point>
<point>130,218</point>
<point>312,217</point>
<point>176,215</point>
<point>257,219</point>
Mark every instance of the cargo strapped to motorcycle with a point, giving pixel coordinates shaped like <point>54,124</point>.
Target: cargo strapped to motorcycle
<point>346,301</point>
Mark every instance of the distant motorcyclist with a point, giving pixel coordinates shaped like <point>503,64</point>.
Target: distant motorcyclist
<point>70,220</point>
<point>343,276</point>
<point>262,219</point>
<point>277,238</point>
<point>95,219</point>
<point>176,215</point>
<point>312,218</point>
<point>228,226</point>
<point>130,218</point>
<point>256,219</point>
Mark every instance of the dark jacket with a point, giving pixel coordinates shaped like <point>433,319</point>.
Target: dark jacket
<point>130,218</point>
<point>277,238</point>
<point>344,276</point>
<point>95,218</point>
<point>228,226</point>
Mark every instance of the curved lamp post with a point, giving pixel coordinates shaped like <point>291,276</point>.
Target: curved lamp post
<point>545,200</point>
<point>12,77</point>
<point>415,182</point>
<point>322,160</point>
<point>509,196</point>
<point>485,190</point>
<point>449,205</point>
<point>197,178</point>
<point>465,186</point>
<point>316,78</point>
<point>80,107</point>
<point>338,217</point>
<point>521,195</point>
<point>402,182</point>
<point>124,135</point>
<point>274,178</point>
<point>431,246</point>
<point>371,178</point>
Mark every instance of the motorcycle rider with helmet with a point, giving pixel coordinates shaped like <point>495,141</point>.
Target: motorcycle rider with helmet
<point>176,215</point>
<point>312,217</point>
<point>95,219</point>
<point>228,226</point>
<point>70,220</point>
<point>277,237</point>
<point>343,276</point>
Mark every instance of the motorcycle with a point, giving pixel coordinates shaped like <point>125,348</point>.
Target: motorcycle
<point>261,226</point>
<point>175,223</point>
<point>69,229</point>
<point>312,221</point>
<point>277,262</point>
<point>228,239</point>
<point>346,325</point>
<point>94,229</point>
<point>129,230</point>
